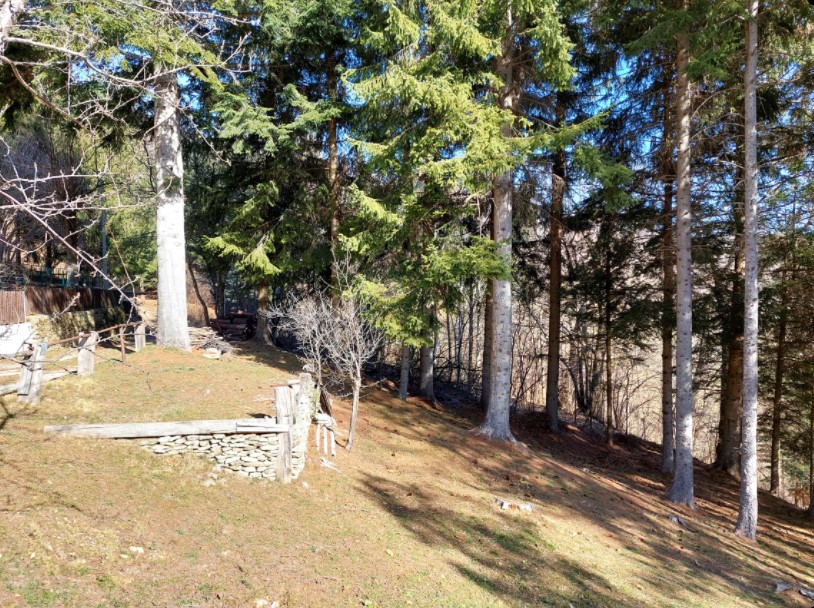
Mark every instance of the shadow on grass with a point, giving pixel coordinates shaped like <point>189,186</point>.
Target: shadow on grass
<point>619,490</point>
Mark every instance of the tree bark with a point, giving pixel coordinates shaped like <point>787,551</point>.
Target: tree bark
<point>729,430</point>
<point>404,380</point>
<point>169,168</point>
<point>488,342</point>
<point>201,301</point>
<point>747,514</point>
<point>354,413</point>
<point>262,334</point>
<point>776,477</point>
<point>682,490</point>
<point>667,319</point>
<point>427,372</point>
<point>552,397</point>
<point>811,462</point>
<point>333,166</point>
<point>496,424</point>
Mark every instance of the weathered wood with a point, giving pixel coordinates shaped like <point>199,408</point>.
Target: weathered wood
<point>284,383</point>
<point>284,404</point>
<point>284,464</point>
<point>140,336</point>
<point>136,430</point>
<point>7,389</point>
<point>30,388</point>
<point>87,356</point>
<point>122,345</point>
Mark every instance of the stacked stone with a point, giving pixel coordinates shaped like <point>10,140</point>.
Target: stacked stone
<point>303,413</point>
<point>250,455</point>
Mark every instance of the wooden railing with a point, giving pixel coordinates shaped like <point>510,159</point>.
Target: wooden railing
<point>29,387</point>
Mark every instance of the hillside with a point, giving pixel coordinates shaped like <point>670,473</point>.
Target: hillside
<point>409,519</point>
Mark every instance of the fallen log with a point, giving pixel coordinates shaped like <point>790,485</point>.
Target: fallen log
<point>135,430</point>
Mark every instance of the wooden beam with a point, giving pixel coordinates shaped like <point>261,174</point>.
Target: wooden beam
<point>30,388</point>
<point>136,430</point>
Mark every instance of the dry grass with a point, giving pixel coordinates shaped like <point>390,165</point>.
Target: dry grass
<point>408,521</point>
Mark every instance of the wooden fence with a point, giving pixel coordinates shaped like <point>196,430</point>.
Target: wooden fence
<point>16,305</point>
<point>13,307</point>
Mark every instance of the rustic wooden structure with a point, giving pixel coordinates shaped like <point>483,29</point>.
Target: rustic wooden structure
<point>140,337</point>
<point>87,354</point>
<point>140,430</point>
<point>30,388</point>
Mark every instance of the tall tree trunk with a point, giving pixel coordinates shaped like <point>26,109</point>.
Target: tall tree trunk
<point>682,490</point>
<point>747,514</point>
<point>262,334</point>
<point>103,235</point>
<point>333,165</point>
<point>201,301</point>
<point>488,341</point>
<point>729,428</point>
<point>496,424</point>
<point>552,396</point>
<point>169,168</point>
<point>776,477</point>
<point>354,412</point>
<point>811,461</point>
<point>404,380</point>
<point>427,372</point>
<point>608,346</point>
<point>9,9</point>
<point>668,291</point>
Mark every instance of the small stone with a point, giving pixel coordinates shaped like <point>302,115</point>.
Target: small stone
<point>137,550</point>
<point>208,483</point>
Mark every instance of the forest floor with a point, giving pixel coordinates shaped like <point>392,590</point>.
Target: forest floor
<point>409,519</point>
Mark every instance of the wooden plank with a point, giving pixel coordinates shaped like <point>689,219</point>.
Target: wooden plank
<point>284,404</point>
<point>87,354</point>
<point>7,389</point>
<point>30,388</point>
<point>135,430</point>
<point>140,337</point>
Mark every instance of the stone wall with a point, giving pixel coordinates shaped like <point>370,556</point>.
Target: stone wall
<point>72,323</point>
<point>252,455</point>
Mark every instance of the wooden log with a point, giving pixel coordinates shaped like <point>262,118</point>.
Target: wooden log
<point>282,383</point>
<point>284,404</point>
<point>87,354</point>
<point>140,335</point>
<point>135,430</point>
<point>30,388</point>
<point>7,389</point>
<point>122,345</point>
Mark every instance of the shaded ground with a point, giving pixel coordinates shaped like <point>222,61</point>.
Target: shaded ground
<point>409,520</point>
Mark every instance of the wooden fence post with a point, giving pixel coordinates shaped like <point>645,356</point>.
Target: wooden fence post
<point>121,344</point>
<point>30,389</point>
<point>284,404</point>
<point>140,337</point>
<point>87,354</point>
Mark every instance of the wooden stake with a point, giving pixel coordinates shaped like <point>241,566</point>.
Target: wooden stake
<point>30,389</point>
<point>140,334</point>
<point>121,344</point>
<point>87,356</point>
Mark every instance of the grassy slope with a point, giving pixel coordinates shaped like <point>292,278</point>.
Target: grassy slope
<point>408,521</point>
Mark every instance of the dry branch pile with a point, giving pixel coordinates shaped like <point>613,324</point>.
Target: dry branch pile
<point>205,337</point>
